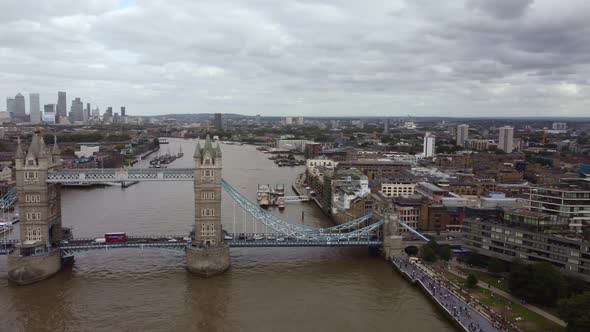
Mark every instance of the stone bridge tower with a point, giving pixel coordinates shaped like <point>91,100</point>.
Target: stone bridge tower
<point>207,254</point>
<point>36,256</point>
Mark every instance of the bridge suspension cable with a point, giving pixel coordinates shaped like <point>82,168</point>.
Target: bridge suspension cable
<point>301,231</point>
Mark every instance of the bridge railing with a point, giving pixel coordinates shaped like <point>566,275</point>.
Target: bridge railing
<point>101,175</point>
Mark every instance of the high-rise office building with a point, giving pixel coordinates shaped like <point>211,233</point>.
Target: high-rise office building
<point>385,126</point>
<point>34,108</point>
<point>10,106</point>
<point>19,108</point>
<point>108,115</point>
<point>123,111</point>
<point>49,114</point>
<point>77,110</point>
<point>62,106</point>
<point>462,134</point>
<point>218,121</point>
<point>86,115</point>
<point>300,121</point>
<point>506,139</point>
<point>429,145</point>
<point>96,113</point>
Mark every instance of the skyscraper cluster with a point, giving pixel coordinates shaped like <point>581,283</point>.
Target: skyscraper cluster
<point>57,113</point>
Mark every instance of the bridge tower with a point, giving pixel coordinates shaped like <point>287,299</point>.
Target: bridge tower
<point>392,241</point>
<point>36,256</point>
<point>207,254</point>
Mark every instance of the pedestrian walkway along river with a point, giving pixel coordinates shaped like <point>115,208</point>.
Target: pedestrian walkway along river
<point>466,316</point>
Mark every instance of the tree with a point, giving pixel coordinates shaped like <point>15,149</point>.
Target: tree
<point>496,266</point>
<point>428,253</point>
<point>471,280</point>
<point>539,283</point>
<point>576,312</point>
<point>5,146</point>
<point>518,280</point>
<point>444,253</point>
<point>156,142</point>
<point>548,284</point>
<point>574,286</point>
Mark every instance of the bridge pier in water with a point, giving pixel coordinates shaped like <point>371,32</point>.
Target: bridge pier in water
<point>207,254</point>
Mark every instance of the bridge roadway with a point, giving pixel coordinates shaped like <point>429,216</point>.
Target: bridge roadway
<point>179,242</point>
<point>101,175</point>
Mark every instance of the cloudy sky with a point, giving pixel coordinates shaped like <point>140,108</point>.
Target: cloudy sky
<point>308,57</point>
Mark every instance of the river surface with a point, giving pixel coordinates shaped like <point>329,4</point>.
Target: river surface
<point>266,289</point>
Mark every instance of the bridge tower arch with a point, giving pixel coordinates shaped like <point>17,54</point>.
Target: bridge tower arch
<point>36,256</point>
<point>207,254</point>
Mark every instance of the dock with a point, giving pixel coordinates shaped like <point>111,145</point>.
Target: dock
<point>268,196</point>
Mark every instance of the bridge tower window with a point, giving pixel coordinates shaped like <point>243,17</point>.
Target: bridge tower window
<point>207,173</point>
<point>207,195</point>
<point>32,198</point>
<point>34,233</point>
<point>33,215</point>
<point>207,212</point>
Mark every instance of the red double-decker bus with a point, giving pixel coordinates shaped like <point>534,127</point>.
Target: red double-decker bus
<point>115,237</point>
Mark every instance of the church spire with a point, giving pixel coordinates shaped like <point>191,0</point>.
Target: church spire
<point>208,146</point>
<point>19,150</point>
<point>197,154</point>
<point>43,151</point>
<point>218,150</point>
<point>56,151</point>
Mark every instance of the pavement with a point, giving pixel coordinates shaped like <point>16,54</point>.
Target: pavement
<point>508,296</point>
<point>470,319</point>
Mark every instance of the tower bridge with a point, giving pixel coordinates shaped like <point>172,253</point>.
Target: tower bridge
<point>40,250</point>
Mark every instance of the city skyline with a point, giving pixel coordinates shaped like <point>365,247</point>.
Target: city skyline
<point>486,57</point>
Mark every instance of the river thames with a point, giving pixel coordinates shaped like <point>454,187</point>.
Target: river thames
<point>266,289</point>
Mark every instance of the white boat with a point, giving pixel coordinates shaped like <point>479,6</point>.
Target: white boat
<point>263,190</point>
<point>258,237</point>
<point>270,237</point>
<point>227,237</point>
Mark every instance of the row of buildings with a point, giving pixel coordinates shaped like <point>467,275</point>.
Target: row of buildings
<point>457,196</point>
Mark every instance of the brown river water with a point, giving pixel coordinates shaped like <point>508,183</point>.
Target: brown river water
<point>266,289</point>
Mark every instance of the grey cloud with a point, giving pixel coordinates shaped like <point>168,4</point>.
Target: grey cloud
<point>501,9</point>
<point>334,56</point>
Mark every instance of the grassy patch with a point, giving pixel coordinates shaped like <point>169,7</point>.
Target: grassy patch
<point>488,278</point>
